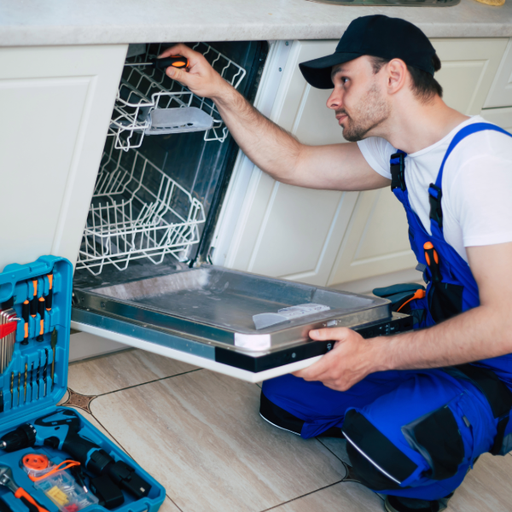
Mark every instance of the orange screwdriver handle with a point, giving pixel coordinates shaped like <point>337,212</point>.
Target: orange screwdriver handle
<point>30,502</point>
<point>432,261</point>
<point>176,61</point>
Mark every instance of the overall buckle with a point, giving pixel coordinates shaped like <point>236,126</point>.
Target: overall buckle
<point>397,167</point>
<point>434,196</point>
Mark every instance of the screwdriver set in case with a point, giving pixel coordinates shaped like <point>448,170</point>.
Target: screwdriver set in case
<point>51,458</point>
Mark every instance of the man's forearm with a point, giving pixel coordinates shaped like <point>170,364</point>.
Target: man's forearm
<point>479,333</point>
<point>271,148</point>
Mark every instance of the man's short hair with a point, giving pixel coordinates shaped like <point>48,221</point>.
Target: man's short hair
<point>424,85</point>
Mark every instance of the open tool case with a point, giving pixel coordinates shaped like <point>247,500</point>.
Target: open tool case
<point>35,434</point>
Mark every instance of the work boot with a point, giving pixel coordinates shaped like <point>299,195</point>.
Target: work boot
<point>398,504</point>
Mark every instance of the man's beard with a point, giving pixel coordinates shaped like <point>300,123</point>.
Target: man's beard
<point>372,112</point>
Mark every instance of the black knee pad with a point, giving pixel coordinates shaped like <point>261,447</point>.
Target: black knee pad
<point>286,420</point>
<point>376,461</point>
<point>278,416</point>
<point>367,473</point>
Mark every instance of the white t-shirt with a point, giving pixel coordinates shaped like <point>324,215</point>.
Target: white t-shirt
<point>476,185</point>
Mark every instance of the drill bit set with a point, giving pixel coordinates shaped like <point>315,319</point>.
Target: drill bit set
<point>51,458</point>
<point>35,379</point>
<point>28,340</point>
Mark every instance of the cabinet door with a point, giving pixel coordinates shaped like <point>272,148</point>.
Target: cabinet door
<point>500,94</point>
<point>292,232</point>
<point>468,70</point>
<point>500,116</point>
<point>56,104</point>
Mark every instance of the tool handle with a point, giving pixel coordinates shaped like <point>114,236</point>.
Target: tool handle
<point>30,502</point>
<point>176,61</point>
<point>432,261</point>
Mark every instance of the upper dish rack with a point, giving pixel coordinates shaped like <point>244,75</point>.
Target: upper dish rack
<point>145,89</point>
<point>137,211</point>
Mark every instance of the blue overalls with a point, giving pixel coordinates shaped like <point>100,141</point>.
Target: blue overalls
<point>412,433</point>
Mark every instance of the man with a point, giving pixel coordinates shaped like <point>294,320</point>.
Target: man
<point>415,415</point>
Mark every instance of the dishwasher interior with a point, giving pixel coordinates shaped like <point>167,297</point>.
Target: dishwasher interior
<point>160,186</point>
<point>143,275</point>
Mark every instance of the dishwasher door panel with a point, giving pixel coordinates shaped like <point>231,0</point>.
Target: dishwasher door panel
<point>238,323</point>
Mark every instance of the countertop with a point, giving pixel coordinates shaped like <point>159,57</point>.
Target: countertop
<point>68,22</point>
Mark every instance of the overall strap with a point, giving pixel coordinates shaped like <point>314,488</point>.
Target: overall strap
<point>398,170</point>
<point>435,192</point>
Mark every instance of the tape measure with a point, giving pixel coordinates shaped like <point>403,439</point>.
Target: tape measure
<point>38,466</point>
<point>35,462</point>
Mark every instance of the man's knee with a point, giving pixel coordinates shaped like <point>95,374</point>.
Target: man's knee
<point>367,473</point>
<point>376,461</point>
<point>285,420</point>
<point>278,417</point>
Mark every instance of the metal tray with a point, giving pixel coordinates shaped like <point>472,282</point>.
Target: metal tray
<point>217,306</point>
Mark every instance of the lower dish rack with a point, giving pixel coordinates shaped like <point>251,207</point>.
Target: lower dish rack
<point>137,211</point>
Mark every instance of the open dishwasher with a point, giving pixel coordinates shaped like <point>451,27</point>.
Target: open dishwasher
<point>143,276</point>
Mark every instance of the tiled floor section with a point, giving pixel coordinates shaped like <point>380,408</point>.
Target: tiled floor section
<point>199,434</point>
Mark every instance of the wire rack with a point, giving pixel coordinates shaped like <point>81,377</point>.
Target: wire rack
<point>144,88</point>
<point>137,211</point>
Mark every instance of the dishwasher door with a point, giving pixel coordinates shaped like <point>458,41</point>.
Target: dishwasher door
<point>244,325</point>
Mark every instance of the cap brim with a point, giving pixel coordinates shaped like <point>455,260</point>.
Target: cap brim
<point>317,72</point>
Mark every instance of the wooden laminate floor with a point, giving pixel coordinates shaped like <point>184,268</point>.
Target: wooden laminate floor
<point>199,434</point>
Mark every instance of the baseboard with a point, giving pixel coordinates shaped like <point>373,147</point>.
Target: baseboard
<point>84,346</point>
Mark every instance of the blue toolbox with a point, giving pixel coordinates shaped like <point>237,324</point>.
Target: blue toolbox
<point>51,458</point>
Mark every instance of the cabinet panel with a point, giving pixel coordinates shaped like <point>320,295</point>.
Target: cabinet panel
<point>376,239</point>
<point>500,94</point>
<point>56,104</point>
<point>290,231</point>
<point>291,213</point>
<point>468,68</point>
<point>500,116</point>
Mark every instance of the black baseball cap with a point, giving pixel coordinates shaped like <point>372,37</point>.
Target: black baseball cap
<point>379,36</point>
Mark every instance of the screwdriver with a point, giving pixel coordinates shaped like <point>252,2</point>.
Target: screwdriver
<point>49,297</point>
<point>176,61</point>
<point>34,301</point>
<point>53,344</point>
<point>41,309</point>
<point>432,261</point>
<point>25,313</point>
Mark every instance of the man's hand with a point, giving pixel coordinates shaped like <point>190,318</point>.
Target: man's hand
<point>199,77</point>
<point>350,361</point>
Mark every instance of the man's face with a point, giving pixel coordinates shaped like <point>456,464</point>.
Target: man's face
<point>357,99</point>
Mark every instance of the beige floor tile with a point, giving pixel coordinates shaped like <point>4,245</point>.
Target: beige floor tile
<point>487,488</point>
<point>121,370</point>
<point>168,506</point>
<point>346,497</point>
<point>337,446</point>
<point>201,436</point>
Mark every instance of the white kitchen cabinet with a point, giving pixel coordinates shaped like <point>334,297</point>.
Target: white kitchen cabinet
<point>287,231</point>
<point>468,70</point>
<point>328,237</point>
<point>56,104</point>
<point>500,94</point>
<point>500,116</point>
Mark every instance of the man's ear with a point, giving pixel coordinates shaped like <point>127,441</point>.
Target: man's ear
<point>396,76</point>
